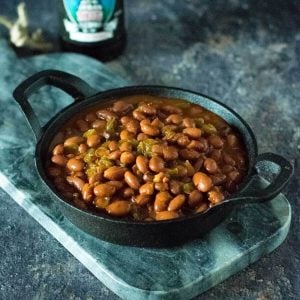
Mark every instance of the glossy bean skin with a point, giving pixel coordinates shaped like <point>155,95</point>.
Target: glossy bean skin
<point>147,159</point>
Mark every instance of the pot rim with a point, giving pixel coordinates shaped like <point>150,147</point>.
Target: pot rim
<point>109,95</point>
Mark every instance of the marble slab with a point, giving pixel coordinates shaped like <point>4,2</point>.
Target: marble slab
<point>250,232</point>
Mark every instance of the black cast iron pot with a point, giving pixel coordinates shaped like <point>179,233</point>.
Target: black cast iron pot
<point>138,233</point>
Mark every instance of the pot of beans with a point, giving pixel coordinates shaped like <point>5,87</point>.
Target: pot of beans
<point>146,165</point>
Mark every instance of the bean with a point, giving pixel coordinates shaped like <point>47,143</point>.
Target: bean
<point>216,141</point>
<point>117,184</point>
<point>80,174</point>
<point>195,197</point>
<point>142,199</point>
<point>101,202</point>
<point>58,149</point>
<point>138,115</point>
<point>77,182</point>
<point>127,158</point>
<point>149,129</point>
<point>142,136</point>
<point>87,192</point>
<point>54,172</point>
<point>194,133</point>
<point>174,119</point>
<point>122,107</point>
<point>75,165</point>
<point>82,148</point>
<point>161,201</point>
<point>218,179</point>
<point>59,160</point>
<point>115,155</point>
<point>125,146</point>
<point>216,154</point>
<point>93,140</point>
<point>147,109</point>
<point>119,208</point>
<point>113,145</point>
<point>95,178</point>
<point>231,140</point>
<point>198,164</point>
<point>235,176</point>
<point>127,192</point>
<point>99,124</point>
<point>202,182</point>
<point>158,149</point>
<point>90,117</point>
<point>183,140</point>
<point>104,190</point>
<point>188,122</point>
<point>170,153</point>
<point>126,135</point>
<point>227,169</point>
<point>196,145</point>
<point>142,163</point>
<point>202,207</point>
<point>82,125</point>
<point>161,186</point>
<point>175,187</point>
<point>215,196</point>
<point>147,189</point>
<point>159,177</point>
<point>114,173</point>
<point>210,165</point>
<point>133,126</point>
<point>156,164</point>
<point>195,110</point>
<point>106,114</point>
<point>132,180</point>
<point>73,140</point>
<point>157,123</point>
<point>189,154</point>
<point>171,109</point>
<point>148,177</point>
<point>166,215</point>
<point>176,203</point>
<point>228,159</point>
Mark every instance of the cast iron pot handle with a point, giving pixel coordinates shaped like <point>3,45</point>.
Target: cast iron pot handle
<point>270,163</point>
<point>69,83</point>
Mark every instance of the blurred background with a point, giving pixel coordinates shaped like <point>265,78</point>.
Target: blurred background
<point>245,53</point>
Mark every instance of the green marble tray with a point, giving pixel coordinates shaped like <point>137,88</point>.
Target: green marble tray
<point>250,232</point>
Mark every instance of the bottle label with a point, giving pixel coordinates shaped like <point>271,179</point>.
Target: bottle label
<point>90,20</point>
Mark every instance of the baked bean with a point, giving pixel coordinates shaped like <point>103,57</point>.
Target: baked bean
<point>106,114</point>
<point>192,132</point>
<point>195,197</point>
<point>122,107</point>
<point>142,136</point>
<point>82,148</point>
<point>77,182</point>
<point>74,140</point>
<point>82,125</point>
<point>216,141</point>
<point>114,173</point>
<point>166,215</point>
<point>87,192</point>
<point>161,201</point>
<point>93,140</point>
<point>215,196</point>
<point>189,154</point>
<point>176,203</point>
<point>210,165</point>
<point>127,158</point>
<point>58,149</point>
<point>132,180</point>
<point>156,164</point>
<point>104,190</point>
<point>115,155</point>
<point>174,119</point>
<point>119,208</point>
<point>99,124</point>
<point>188,122</point>
<point>175,187</point>
<point>147,188</point>
<point>91,117</point>
<point>170,153</point>
<point>202,181</point>
<point>59,160</point>
<point>147,159</point>
<point>126,135</point>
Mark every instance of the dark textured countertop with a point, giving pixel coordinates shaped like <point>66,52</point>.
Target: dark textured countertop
<point>245,53</point>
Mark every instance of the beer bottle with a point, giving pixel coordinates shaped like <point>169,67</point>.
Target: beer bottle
<point>93,27</point>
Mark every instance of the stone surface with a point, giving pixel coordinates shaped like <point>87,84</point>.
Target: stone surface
<point>245,53</point>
